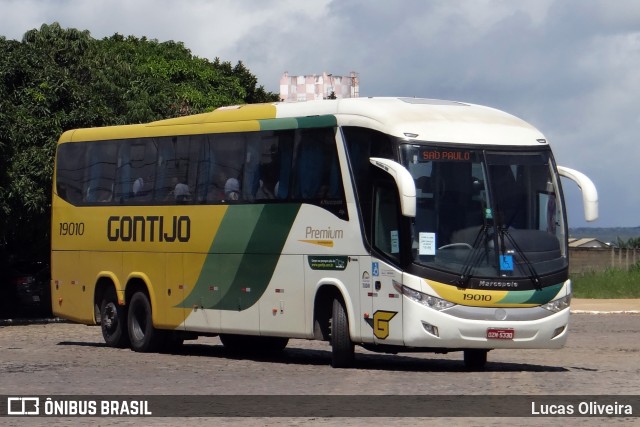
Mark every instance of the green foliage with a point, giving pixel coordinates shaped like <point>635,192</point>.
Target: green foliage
<point>630,243</point>
<point>58,79</point>
<point>611,283</point>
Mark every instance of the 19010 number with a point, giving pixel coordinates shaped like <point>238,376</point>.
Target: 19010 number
<point>476,297</point>
<point>71,228</point>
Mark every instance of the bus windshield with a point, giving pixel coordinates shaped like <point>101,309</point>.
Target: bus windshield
<point>486,213</point>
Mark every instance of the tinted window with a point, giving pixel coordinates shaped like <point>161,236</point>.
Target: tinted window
<point>298,165</point>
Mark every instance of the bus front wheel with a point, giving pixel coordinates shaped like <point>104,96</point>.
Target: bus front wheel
<point>475,359</point>
<point>113,320</point>
<point>142,335</point>
<point>342,348</point>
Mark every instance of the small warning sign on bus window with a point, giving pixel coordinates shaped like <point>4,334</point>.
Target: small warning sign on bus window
<point>506,262</point>
<point>427,244</point>
<point>395,242</point>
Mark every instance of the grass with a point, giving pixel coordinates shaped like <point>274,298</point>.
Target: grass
<point>608,284</point>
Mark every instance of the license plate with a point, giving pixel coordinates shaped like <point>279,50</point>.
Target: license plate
<point>500,334</point>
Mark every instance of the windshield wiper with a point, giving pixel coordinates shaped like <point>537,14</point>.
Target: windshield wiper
<point>533,275</point>
<point>472,259</point>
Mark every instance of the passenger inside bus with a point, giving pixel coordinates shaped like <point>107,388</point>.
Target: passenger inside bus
<point>232,189</point>
<point>180,192</point>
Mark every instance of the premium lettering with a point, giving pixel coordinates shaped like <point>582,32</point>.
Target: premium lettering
<point>149,228</point>
<point>323,233</point>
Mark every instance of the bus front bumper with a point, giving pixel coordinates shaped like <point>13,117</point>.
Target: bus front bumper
<point>487,328</point>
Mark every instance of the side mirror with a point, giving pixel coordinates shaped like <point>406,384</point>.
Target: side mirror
<point>589,192</point>
<point>404,181</point>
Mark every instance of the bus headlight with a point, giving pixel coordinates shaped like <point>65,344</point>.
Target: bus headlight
<point>558,304</point>
<point>424,299</point>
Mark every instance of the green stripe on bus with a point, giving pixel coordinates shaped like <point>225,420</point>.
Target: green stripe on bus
<point>317,122</point>
<point>243,257</point>
<point>278,124</point>
<point>541,296</point>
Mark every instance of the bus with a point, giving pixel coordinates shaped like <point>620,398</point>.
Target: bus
<point>394,224</point>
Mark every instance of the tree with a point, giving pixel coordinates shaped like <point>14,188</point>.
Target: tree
<point>43,83</point>
<point>58,79</point>
<point>631,243</point>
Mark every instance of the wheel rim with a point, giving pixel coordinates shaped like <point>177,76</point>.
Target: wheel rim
<point>110,317</point>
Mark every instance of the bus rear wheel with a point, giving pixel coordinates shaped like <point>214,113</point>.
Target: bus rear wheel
<point>142,335</point>
<point>475,359</point>
<point>342,348</point>
<point>113,321</point>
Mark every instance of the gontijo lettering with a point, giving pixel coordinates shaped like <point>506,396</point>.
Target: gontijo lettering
<point>149,229</point>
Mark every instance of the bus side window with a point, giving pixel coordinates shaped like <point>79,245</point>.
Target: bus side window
<point>285,160</point>
<point>69,178</point>
<point>206,171</point>
<point>101,172</point>
<point>318,167</point>
<point>143,164</point>
<point>172,183</point>
<point>231,156</point>
<point>251,169</point>
<point>309,164</point>
<point>123,172</point>
<point>386,221</point>
<point>361,144</point>
<point>269,167</point>
<point>317,171</point>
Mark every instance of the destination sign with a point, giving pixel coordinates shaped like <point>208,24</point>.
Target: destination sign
<point>432,154</point>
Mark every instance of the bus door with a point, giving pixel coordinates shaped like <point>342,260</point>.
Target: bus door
<point>386,316</point>
<point>380,307</point>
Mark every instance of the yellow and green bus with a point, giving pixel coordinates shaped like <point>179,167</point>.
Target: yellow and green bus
<point>396,224</point>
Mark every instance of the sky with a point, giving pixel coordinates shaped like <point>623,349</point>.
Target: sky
<point>569,67</point>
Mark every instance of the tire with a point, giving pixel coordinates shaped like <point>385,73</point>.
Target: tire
<point>342,348</point>
<point>143,336</point>
<point>237,344</point>
<point>475,359</point>
<point>271,346</point>
<point>113,320</point>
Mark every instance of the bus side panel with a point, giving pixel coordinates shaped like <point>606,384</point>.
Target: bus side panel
<point>163,276</point>
<point>71,294</point>
<point>99,265</point>
<point>199,315</point>
<point>241,321</point>
<point>282,311</point>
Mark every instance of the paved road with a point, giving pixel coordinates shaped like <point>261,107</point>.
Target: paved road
<point>601,357</point>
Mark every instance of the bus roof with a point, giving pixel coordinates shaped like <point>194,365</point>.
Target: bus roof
<point>408,118</point>
<point>424,119</point>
